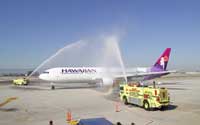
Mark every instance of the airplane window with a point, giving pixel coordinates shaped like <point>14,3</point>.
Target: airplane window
<point>46,72</point>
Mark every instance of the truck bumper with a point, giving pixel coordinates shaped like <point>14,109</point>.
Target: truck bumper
<point>160,105</point>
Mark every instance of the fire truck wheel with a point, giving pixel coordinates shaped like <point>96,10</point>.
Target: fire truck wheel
<point>146,105</point>
<point>125,101</point>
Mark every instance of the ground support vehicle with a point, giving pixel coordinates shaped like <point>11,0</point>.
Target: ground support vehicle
<point>148,97</point>
<point>21,81</point>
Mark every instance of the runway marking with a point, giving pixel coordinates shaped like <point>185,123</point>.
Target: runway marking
<point>7,101</point>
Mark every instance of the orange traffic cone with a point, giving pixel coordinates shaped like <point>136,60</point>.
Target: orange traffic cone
<point>69,116</point>
<point>117,107</point>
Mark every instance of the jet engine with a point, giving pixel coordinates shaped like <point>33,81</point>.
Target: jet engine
<point>107,81</point>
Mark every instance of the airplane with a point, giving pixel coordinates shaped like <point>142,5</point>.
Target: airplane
<point>106,76</point>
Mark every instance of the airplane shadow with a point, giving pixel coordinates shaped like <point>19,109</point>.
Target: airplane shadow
<point>28,88</point>
<point>75,87</point>
<point>170,83</point>
<point>48,88</point>
<point>176,88</point>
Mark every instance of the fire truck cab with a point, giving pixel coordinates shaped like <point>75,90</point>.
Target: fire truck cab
<point>148,97</point>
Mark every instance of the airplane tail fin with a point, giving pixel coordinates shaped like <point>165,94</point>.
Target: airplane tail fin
<point>161,63</point>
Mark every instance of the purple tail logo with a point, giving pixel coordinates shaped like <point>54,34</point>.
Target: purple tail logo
<point>161,63</point>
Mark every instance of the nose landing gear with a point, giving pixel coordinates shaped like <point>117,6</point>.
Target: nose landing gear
<point>52,86</point>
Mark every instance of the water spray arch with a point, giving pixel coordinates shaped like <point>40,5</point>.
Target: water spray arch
<point>101,52</point>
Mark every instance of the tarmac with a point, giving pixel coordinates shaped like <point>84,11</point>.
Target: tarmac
<point>37,104</point>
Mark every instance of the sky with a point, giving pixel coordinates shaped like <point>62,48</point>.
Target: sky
<point>33,30</point>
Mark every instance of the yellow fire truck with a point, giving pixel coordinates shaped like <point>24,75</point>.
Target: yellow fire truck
<point>148,97</point>
<point>21,81</point>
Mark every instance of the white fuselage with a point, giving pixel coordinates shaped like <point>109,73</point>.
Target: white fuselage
<point>83,74</point>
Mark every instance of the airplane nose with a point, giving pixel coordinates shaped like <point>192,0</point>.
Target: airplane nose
<point>41,76</point>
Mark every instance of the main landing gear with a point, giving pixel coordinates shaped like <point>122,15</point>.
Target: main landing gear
<point>52,86</point>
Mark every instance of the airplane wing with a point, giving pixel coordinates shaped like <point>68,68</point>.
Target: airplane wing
<point>144,76</point>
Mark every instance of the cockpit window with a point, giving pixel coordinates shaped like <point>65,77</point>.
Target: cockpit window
<point>45,72</point>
